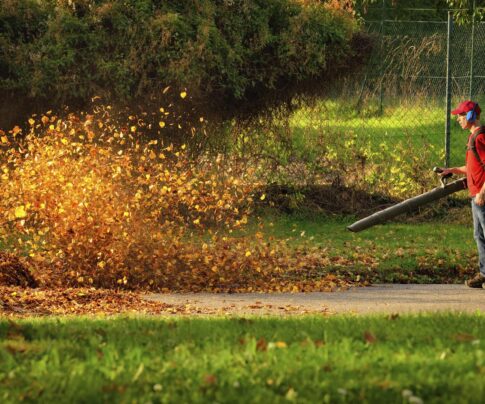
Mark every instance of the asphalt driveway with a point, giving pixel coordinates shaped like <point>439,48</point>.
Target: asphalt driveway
<point>388,298</point>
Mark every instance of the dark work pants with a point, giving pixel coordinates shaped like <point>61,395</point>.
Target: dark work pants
<point>478,213</point>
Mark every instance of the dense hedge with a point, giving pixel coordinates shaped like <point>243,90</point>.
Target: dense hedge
<point>230,55</point>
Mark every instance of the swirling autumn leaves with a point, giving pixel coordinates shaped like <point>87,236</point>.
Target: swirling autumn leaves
<point>89,203</point>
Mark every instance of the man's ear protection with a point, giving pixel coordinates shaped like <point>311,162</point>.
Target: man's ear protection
<point>471,116</point>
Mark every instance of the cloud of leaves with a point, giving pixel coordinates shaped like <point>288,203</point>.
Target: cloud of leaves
<point>90,203</point>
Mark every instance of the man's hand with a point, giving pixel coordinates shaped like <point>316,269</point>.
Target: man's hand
<point>480,199</point>
<point>445,171</point>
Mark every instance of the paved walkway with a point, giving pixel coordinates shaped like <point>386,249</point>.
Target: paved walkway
<point>374,299</point>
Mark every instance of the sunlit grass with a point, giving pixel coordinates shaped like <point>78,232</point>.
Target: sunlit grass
<point>427,358</point>
<point>429,252</point>
<point>414,125</point>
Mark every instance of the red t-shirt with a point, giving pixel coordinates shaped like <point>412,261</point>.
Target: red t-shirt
<point>475,173</point>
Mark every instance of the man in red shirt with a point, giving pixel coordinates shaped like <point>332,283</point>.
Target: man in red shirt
<point>468,116</point>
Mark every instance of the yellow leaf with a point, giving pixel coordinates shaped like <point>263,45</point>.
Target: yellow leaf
<point>248,253</point>
<point>133,129</point>
<point>280,344</point>
<point>31,122</point>
<point>20,212</point>
<point>101,264</point>
<point>183,94</point>
<point>4,139</point>
<point>263,197</point>
<point>162,124</point>
<point>152,155</point>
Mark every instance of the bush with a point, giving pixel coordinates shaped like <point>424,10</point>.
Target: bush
<point>233,57</point>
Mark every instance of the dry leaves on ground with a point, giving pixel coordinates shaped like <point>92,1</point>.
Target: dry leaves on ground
<point>17,301</point>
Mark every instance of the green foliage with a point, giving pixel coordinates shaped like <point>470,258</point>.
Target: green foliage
<point>466,10</point>
<point>227,54</point>
<point>422,10</point>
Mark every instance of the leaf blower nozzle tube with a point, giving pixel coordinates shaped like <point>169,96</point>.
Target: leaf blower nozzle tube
<point>409,205</point>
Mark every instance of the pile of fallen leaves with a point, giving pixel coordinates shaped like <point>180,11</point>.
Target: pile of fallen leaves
<point>89,203</point>
<point>20,302</point>
<point>15,301</point>
<point>14,273</point>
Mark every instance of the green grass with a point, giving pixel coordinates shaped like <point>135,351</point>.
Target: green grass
<point>414,125</point>
<point>432,251</point>
<point>439,358</point>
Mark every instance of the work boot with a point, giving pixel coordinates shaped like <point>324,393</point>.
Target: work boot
<point>477,281</point>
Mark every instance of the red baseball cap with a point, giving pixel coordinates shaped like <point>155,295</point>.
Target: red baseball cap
<point>466,106</point>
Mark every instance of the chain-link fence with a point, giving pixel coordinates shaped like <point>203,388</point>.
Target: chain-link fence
<point>402,94</point>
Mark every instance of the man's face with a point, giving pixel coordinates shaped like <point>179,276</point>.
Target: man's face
<point>461,118</point>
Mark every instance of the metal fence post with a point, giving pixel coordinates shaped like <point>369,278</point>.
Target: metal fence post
<point>448,90</point>
<point>472,52</point>
<point>381,90</point>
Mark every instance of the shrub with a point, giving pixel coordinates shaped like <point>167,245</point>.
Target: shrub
<point>235,57</point>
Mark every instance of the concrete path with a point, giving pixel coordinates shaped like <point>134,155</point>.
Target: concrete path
<point>374,299</point>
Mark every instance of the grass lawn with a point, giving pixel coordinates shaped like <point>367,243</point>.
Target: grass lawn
<point>433,251</point>
<point>414,125</point>
<point>433,358</point>
<point>427,252</point>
